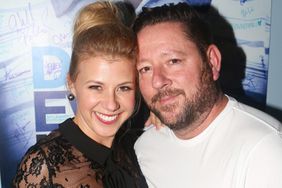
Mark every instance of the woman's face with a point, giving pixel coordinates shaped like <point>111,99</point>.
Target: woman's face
<point>105,96</point>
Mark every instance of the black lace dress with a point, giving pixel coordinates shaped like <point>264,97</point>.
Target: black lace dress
<point>68,158</point>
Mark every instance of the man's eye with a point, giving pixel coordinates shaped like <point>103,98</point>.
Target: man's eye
<point>144,70</point>
<point>174,61</point>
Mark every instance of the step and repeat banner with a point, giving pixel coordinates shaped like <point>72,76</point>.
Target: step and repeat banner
<point>35,49</point>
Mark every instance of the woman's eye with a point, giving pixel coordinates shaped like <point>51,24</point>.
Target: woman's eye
<point>125,88</point>
<point>95,87</point>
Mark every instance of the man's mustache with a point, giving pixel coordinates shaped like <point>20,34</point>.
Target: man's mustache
<point>167,92</point>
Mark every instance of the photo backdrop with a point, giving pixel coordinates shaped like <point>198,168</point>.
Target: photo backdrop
<point>35,52</point>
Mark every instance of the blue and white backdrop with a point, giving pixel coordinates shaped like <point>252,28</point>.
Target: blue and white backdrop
<point>35,48</point>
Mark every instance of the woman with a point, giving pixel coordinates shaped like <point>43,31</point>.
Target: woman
<point>94,148</point>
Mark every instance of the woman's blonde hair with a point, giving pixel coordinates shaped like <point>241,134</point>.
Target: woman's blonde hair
<point>99,30</point>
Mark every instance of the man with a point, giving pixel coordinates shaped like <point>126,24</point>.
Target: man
<point>210,139</point>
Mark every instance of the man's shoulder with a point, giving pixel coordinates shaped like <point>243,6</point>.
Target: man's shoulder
<point>259,116</point>
<point>254,117</point>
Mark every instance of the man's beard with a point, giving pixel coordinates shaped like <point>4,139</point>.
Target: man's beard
<point>180,116</point>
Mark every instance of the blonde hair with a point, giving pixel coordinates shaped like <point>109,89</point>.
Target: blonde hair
<point>99,30</point>
<point>95,14</point>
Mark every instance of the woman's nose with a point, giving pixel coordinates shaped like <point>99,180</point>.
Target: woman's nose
<point>110,102</point>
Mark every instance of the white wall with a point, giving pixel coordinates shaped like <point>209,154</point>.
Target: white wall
<point>274,87</point>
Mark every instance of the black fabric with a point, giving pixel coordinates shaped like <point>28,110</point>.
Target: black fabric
<point>68,158</point>
<point>83,143</point>
<point>120,175</point>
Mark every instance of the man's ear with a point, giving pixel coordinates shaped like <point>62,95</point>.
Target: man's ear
<point>214,58</point>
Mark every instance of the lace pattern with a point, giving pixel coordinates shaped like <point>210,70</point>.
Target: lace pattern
<point>54,162</point>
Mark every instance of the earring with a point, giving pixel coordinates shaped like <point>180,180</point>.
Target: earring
<point>71,97</point>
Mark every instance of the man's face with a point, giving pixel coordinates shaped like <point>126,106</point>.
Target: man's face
<point>174,81</point>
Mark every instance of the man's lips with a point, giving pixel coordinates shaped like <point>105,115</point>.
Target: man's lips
<point>167,99</point>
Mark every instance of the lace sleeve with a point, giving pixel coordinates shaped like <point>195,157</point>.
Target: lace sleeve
<point>32,171</point>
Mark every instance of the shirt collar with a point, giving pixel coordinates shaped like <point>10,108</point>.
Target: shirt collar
<point>89,147</point>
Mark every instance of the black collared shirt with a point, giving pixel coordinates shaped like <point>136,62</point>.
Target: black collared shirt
<point>69,158</point>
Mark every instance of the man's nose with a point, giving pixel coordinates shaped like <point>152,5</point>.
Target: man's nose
<point>160,78</point>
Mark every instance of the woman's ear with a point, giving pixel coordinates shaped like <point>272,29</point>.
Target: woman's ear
<point>70,85</point>
<point>214,58</point>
